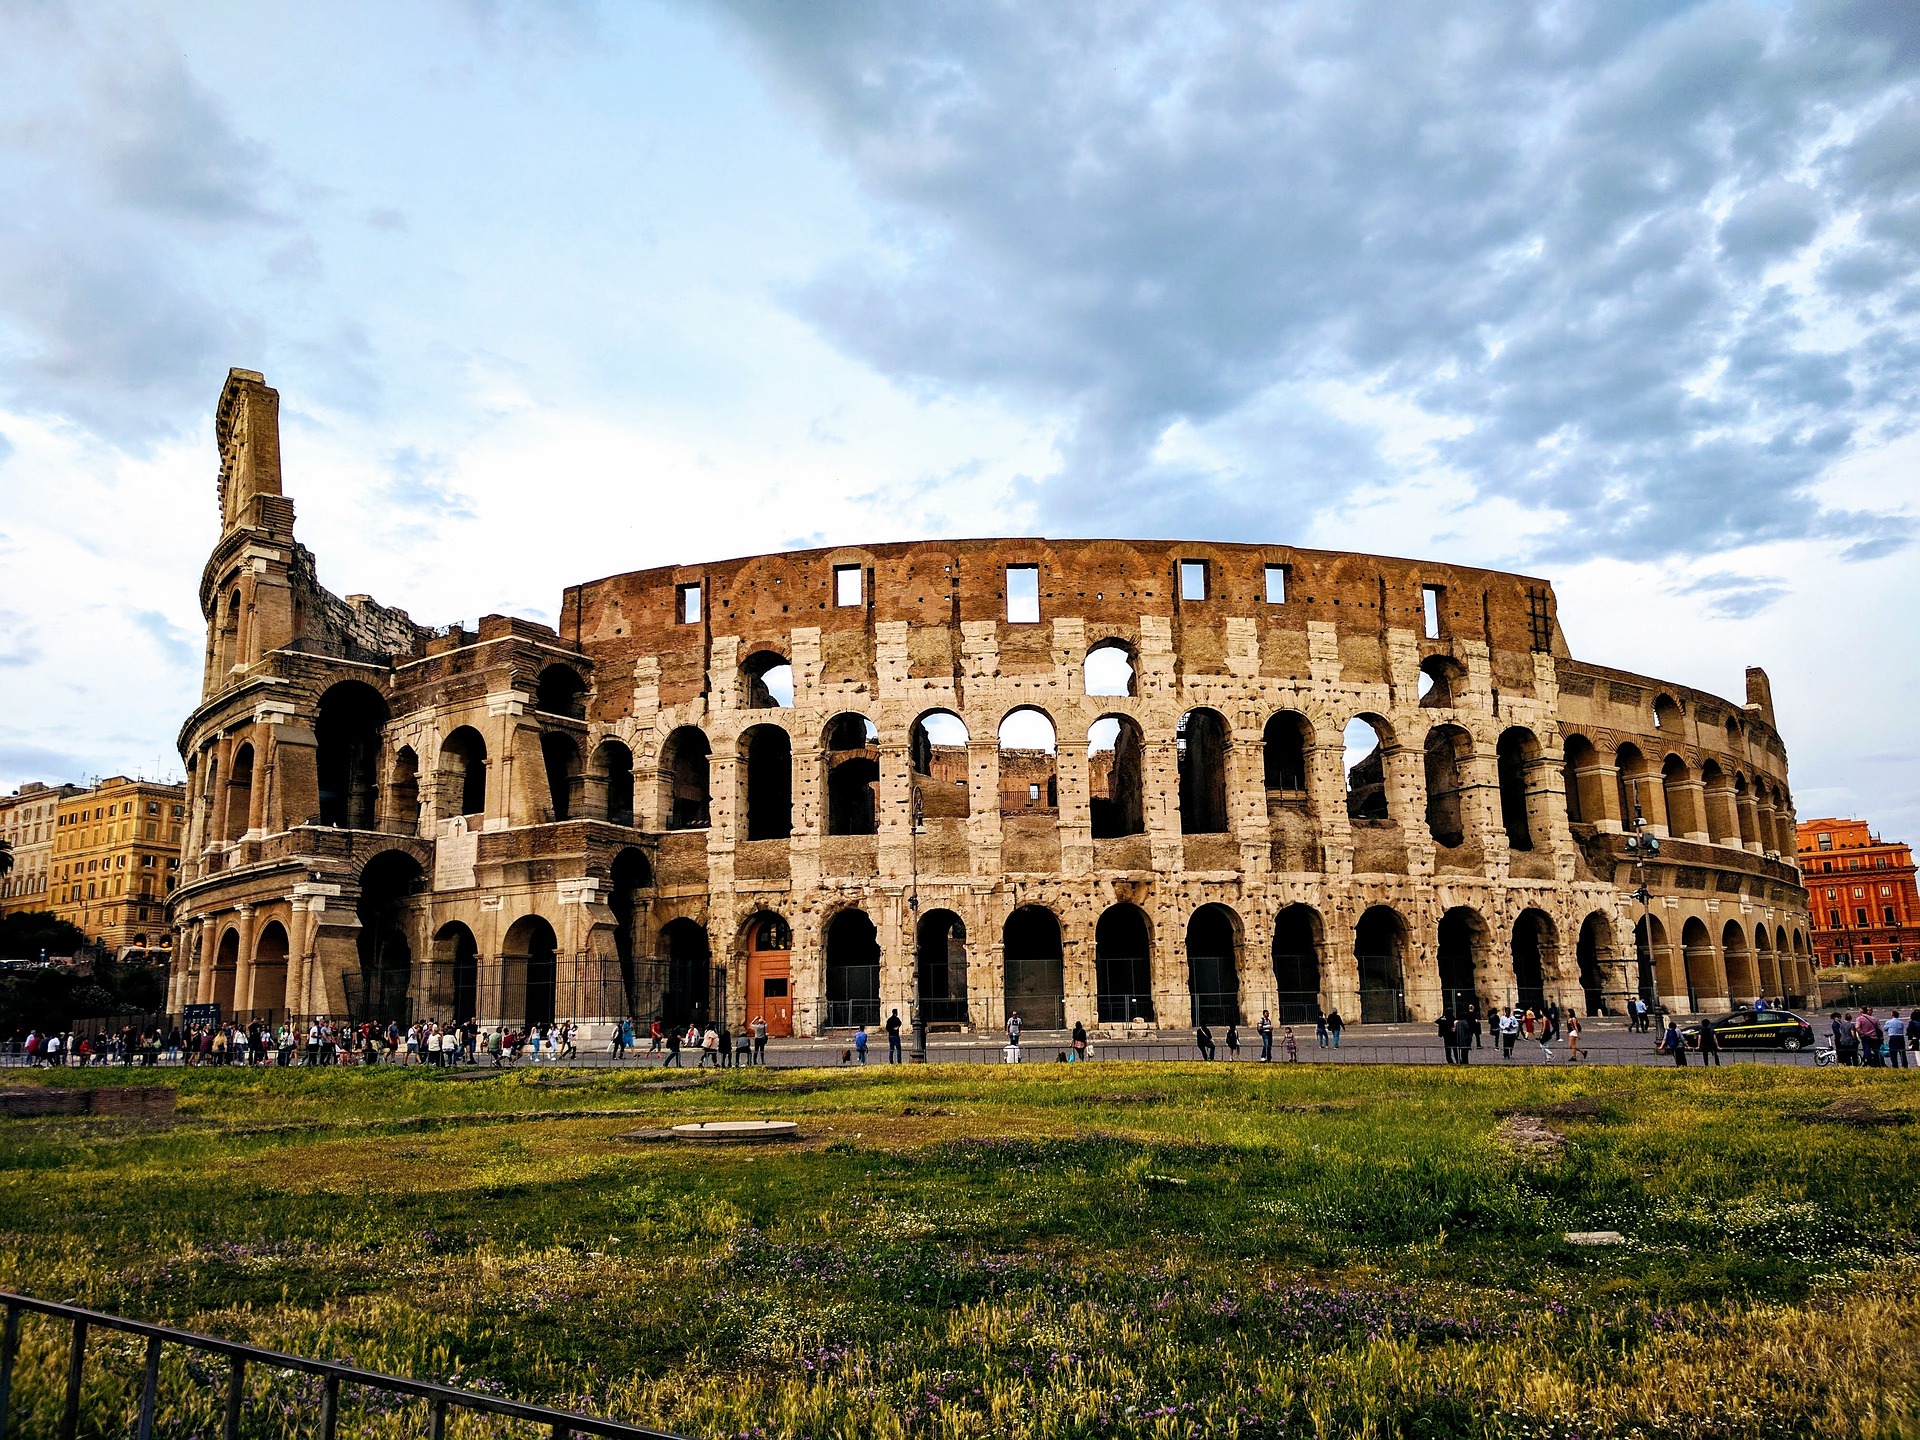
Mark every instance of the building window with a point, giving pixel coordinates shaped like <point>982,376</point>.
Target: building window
<point>1826,840</point>
<point>1888,911</point>
<point>1277,584</point>
<point>1860,916</point>
<point>1432,597</point>
<point>846,585</point>
<point>689,603</point>
<point>1879,862</point>
<point>1833,919</point>
<point>1193,579</point>
<point>153,807</point>
<point>1023,594</point>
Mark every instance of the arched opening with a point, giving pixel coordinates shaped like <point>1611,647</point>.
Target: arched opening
<point>630,876</point>
<point>530,971</point>
<point>767,681</point>
<point>1462,955</point>
<point>228,652</point>
<point>1766,964</point>
<point>685,798</point>
<point>463,773</point>
<point>561,691</point>
<point>1442,682</point>
<point>1640,797</point>
<point>1678,791</point>
<point>1364,745</point>
<point>1533,950</point>
<point>456,971</point>
<point>770,972</point>
<point>1702,966</point>
<point>226,965</point>
<point>1115,753</point>
<point>1743,976</point>
<point>1213,965</point>
<point>690,995</point>
<point>1449,760</point>
<point>389,886</point>
<point>403,792</point>
<point>1110,669</point>
<point>937,755</point>
<point>347,732</point>
<point>562,760</point>
<point>239,792</point>
<point>1578,766</point>
<point>1380,948</point>
<point>1666,715</point>
<point>853,970</point>
<point>852,763</point>
<point>1029,784</point>
<point>1284,747</point>
<point>766,782</point>
<point>611,774</point>
<point>1722,823</point>
<point>270,951</point>
<point>1035,970</point>
<point>1649,944</point>
<point>1297,937</point>
<point>1595,956</point>
<point>1122,966</point>
<point>1517,754</point>
<point>940,956</point>
<point>1200,743</point>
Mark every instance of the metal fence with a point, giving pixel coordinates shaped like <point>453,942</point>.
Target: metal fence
<point>440,1401</point>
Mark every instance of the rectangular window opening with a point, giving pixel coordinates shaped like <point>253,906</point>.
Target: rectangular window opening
<point>1277,584</point>
<point>689,604</point>
<point>1431,598</point>
<point>1023,594</point>
<point>1193,579</point>
<point>846,585</point>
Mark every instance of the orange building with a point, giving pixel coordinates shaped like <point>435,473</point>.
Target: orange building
<point>1866,910</point>
<point>116,858</point>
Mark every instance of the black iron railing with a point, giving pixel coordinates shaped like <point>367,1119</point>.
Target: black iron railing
<point>441,1400</point>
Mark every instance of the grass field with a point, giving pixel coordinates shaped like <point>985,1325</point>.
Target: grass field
<point>1107,1249</point>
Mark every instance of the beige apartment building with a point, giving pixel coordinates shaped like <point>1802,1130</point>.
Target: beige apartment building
<point>115,859</point>
<point>27,819</point>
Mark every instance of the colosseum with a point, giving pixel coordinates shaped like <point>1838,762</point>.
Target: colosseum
<point>1133,784</point>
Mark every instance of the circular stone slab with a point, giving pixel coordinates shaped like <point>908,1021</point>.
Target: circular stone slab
<point>738,1132</point>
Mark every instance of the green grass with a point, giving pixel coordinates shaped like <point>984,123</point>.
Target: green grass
<point>955,1251</point>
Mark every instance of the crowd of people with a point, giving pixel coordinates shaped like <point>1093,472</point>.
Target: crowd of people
<point>304,1043</point>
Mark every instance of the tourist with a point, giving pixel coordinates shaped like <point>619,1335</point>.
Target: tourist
<point>759,1039</point>
<point>1233,1041</point>
<point>1553,1020</point>
<point>1672,1044</point>
<point>1319,1027</point>
<point>1203,1040</point>
<point>1079,1041</point>
<point>1265,1027</point>
<point>860,1043</point>
<point>1868,1029</point>
<point>1473,1024</point>
<point>1846,1041</point>
<point>1709,1042</point>
<point>1336,1026</point>
<point>742,1049</point>
<point>893,1037</point>
<point>1573,1037</point>
<point>1526,1023</point>
<point>1509,1027</point>
<point>654,1037</point>
<point>709,1048</point>
<point>726,1044</point>
<point>622,1037</point>
<point>672,1056</point>
<point>1291,1045</point>
<point>1444,1028</point>
<point>1895,1031</point>
<point>1013,1029</point>
<point>567,1032</point>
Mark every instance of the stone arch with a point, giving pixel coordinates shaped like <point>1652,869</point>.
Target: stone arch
<point>1534,951</point>
<point>1029,777</point>
<point>1116,762</point>
<point>850,764</point>
<point>388,910</point>
<point>1704,978</point>
<point>1123,965</point>
<point>940,960</point>
<point>766,681</point>
<point>1719,820</point>
<point>1462,946</point>
<point>685,975</point>
<point>403,791</point>
<point>1766,964</point>
<point>852,950</point>
<point>456,972</point>
<point>1653,966</point>
<point>1299,939</point>
<point>1668,718</point>
<point>629,877</point>
<point>1594,955</point>
<point>1111,668</point>
<point>1367,736</point>
<point>765,778</point>
<point>1380,952</point>
<point>239,792</point>
<point>560,755</point>
<point>1213,965</point>
<point>610,783</point>
<point>463,773</point>
<point>269,985</point>
<point>530,971</point>
<point>1286,743</point>
<point>766,940</point>
<point>1449,766</point>
<point>1639,787</point>
<point>937,755</point>
<point>1679,792</point>
<point>1035,968</point>
<point>1517,758</point>
<point>560,690</point>
<point>1737,957</point>
<point>1443,680</point>
<point>226,969</point>
<point>348,726</point>
<point>685,779</point>
<point>1201,739</point>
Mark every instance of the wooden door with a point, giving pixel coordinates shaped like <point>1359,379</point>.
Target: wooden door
<point>769,975</point>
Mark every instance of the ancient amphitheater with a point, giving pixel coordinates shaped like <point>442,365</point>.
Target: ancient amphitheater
<point>1116,782</point>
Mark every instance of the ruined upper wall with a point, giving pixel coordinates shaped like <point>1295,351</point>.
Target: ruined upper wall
<point>942,589</point>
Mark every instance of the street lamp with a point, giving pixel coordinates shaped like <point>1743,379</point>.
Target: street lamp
<point>1643,846</point>
<point>918,1054</point>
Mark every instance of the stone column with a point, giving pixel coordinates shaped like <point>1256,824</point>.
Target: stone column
<point>243,962</point>
<point>209,955</point>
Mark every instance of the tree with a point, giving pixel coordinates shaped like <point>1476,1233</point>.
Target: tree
<point>6,859</point>
<point>24,936</point>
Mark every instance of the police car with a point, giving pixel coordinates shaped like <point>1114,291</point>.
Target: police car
<point>1756,1030</point>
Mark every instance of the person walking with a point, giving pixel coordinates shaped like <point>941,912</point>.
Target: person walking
<point>1672,1044</point>
<point>654,1038</point>
<point>1444,1027</point>
<point>1203,1041</point>
<point>1709,1042</point>
<point>893,1037</point>
<point>1233,1041</point>
<point>1335,1026</point>
<point>1895,1031</point>
<point>1265,1027</point>
<point>1291,1045</point>
<point>1320,1028</point>
<point>1079,1041</point>
<point>672,1056</point>
<point>860,1044</point>
<point>1509,1032</point>
<point>759,1039</point>
<point>709,1048</point>
<point>1553,1020</point>
<point>1573,1037</point>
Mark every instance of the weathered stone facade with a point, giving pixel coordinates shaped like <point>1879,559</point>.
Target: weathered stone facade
<point>738,784</point>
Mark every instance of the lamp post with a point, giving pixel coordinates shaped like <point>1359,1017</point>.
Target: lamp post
<point>1643,846</point>
<point>918,1053</point>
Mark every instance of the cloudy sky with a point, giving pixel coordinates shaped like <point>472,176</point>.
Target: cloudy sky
<point>1622,293</point>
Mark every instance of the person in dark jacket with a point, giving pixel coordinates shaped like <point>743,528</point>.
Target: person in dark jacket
<point>1709,1043</point>
<point>1672,1044</point>
<point>1203,1041</point>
